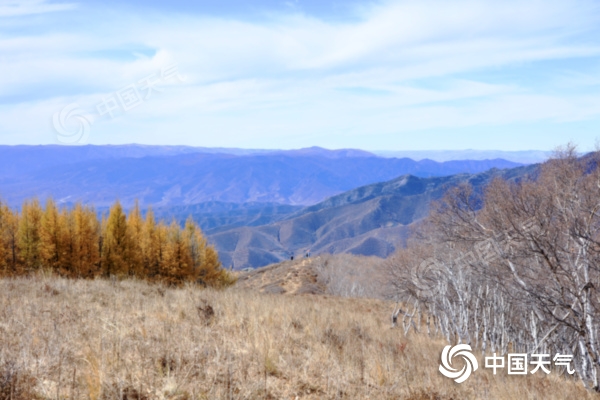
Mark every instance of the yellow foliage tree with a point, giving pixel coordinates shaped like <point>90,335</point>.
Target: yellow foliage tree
<point>29,238</point>
<point>3,239</point>
<point>116,243</point>
<point>9,235</point>
<point>52,238</point>
<point>135,231</point>
<point>84,241</point>
<point>178,264</point>
<point>73,242</point>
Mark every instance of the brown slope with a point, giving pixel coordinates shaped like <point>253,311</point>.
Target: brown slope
<point>370,220</point>
<point>337,275</point>
<point>289,277</point>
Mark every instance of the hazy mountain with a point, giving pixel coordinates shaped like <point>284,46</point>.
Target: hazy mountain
<point>216,216</point>
<point>177,175</point>
<point>369,220</point>
<point>522,157</point>
<point>22,158</point>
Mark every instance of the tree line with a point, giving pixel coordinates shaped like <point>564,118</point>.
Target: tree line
<point>76,243</point>
<point>513,269</point>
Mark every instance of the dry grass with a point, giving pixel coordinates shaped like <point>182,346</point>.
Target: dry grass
<point>128,340</point>
<point>342,275</point>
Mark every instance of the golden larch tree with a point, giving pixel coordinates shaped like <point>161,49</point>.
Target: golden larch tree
<point>116,243</point>
<point>86,252</point>
<point>52,238</point>
<point>135,230</point>
<point>29,235</point>
<point>178,265</point>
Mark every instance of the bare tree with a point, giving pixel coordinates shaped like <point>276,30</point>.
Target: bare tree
<point>517,267</point>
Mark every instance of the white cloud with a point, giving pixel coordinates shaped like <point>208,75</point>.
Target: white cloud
<point>15,8</point>
<point>294,74</point>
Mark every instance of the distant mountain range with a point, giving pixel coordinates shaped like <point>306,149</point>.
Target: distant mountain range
<point>523,157</point>
<point>257,206</point>
<point>166,176</point>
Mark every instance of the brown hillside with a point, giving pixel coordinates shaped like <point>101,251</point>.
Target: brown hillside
<point>343,275</point>
<point>130,340</point>
<point>289,277</point>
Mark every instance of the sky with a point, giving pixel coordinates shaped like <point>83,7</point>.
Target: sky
<point>376,75</point>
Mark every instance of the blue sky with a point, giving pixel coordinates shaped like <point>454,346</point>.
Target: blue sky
<point>382,75</point>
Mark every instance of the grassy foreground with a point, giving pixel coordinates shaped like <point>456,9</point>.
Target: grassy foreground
<point>77,339</point>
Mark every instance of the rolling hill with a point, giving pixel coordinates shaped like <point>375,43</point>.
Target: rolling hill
<point>372,220</point>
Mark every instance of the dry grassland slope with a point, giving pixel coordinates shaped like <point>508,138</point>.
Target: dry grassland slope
<point>75,339</point>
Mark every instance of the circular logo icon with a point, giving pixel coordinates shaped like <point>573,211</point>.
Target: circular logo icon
<point>425,277</point>
<point>463,351</point>
<point>71,125</point>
